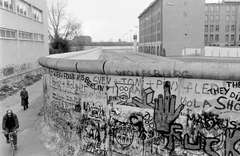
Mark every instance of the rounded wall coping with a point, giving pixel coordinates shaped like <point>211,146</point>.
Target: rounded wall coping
<point>164,68</point>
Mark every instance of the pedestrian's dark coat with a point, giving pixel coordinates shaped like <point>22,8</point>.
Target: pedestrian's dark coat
<point>10,122</point>
<point>24,97</point>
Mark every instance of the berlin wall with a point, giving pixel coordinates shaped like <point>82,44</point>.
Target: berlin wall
<point>117,115</point>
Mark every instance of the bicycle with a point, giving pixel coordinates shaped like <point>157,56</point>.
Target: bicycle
<point>11,140</point>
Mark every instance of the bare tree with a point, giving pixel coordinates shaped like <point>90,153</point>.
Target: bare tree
<point>61,26</point>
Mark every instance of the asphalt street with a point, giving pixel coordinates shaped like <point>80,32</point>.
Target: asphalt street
<point>28,141</point>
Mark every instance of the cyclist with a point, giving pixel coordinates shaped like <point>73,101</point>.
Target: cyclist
<point>10,124</point>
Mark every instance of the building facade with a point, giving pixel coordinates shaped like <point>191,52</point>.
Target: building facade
<point>83,39</point>
<point>23,36</point>
<point>222,24</point>
<point>173,27</point>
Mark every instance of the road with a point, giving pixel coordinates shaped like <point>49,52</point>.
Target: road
<point>147,57</point>
<point>28,141</point>
<point>208,59</point>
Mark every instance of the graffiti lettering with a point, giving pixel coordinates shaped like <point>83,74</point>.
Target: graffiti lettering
<point>229,104</point>
<point>233,84</point>
<point>95,148</point>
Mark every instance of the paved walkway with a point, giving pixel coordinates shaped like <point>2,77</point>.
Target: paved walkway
<point>28,140</point>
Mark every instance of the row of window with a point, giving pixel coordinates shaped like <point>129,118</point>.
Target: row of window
<point>22,8</point>
<point>217,28</point>
<point>211,28</point>
<point>217,8</point>
<point>217,17</point>
<point>12,34</point>
<point>216,38</point>
<point>212,8</point>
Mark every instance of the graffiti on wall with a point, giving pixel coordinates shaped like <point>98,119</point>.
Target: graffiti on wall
<point>64,111</point>
<point>94,114</point>
<point>15,69</point>
<point>143,116</point>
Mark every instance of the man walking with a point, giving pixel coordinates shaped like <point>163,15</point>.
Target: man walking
<point>10,124</point>
<point>24,98</point>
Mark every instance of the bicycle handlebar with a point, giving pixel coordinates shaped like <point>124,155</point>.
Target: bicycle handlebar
<point>12,132</point>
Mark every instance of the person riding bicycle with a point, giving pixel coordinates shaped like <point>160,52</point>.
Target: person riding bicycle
<point>10,124</point>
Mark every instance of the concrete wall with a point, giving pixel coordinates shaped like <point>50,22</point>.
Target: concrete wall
<point>141,109</point>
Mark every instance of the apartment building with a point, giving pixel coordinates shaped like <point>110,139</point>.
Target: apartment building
<point>172,27</point>
<point>23,37</point>
<point>222,24</point>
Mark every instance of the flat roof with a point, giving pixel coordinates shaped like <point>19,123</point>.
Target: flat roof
<point>145,10</point>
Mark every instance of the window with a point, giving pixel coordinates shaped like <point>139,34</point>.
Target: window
<point>216,38</point>
<point>23,8</point>
<point>233,18</point>
<point>2,33</point>
<point>206,18</point>
<point>232,37</point>
<point>217,8</point>
<point>206,37</point>
<point>228,8</point>
<point>227,18</point>
<point>212,18</point>
<point>6,4</point>
<point>212,8</point>
<point>226,37</point>
<point>206,28</point>
<point>7,33</point>
<point>211,37</point>
<point>232,27</point>
<point>233,8</point>
<point>38,37</point>
<point>211,28</point>
<point>37,14</point>
<point>217,18</point>
<point>239,37</point>
<point>25,35</point>
<point>206,8</point>
<point>227,28</point>
<point>217,28</point>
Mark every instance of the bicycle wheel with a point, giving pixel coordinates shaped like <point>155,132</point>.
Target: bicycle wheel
<point>12,148</point>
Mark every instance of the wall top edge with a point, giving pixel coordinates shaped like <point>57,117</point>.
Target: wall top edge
<point>177,69</point>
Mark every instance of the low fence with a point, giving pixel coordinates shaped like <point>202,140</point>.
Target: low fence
<point>114,108</point>
<point>222,51</point>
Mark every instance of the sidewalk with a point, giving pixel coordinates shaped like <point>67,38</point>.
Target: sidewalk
<point>28,141</point>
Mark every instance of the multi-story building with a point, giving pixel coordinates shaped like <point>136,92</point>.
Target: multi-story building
<point>83,39</point>
<point>173,27</point>
<point>222,24</point>
<point>23,37</point>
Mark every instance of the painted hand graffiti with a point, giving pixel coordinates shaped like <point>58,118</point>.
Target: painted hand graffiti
<point>164,110</point>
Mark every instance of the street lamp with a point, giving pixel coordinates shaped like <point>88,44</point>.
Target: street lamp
<point>135,45</point>
<point>130,41</point>
<point>126,35</point>
<point>121,43</point>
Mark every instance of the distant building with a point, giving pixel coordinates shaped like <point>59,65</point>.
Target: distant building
<point>83,39</point>
<point>23,37</point>
<point>222,23</point>
<point>172,26</point>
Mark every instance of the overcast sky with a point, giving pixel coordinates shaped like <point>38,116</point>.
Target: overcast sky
<point>109,20</point>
